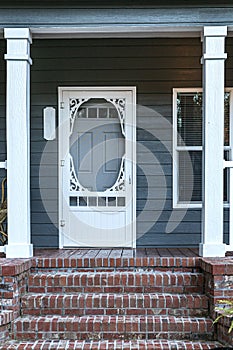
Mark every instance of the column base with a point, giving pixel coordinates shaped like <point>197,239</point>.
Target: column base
<point>212,250</point>
<point>19,251</point>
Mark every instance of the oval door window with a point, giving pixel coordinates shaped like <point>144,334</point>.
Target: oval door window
<point>97,145</point>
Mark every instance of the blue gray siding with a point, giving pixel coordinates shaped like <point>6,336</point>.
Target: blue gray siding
<point>71,13</point>
<point>154,66</point>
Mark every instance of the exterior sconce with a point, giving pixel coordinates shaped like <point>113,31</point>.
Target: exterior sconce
<point>49,114</point>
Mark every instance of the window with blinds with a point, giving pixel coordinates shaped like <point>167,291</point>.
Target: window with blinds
<point>187,147</point>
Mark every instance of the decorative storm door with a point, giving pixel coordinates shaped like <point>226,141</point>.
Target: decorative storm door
<point>97,167</point>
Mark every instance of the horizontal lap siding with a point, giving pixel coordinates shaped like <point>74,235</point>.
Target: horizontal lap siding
<point>76,14</point>
<point>154,66</point>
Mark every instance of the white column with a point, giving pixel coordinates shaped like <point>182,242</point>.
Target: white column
<point>18,142</point>
<point>213,140</point>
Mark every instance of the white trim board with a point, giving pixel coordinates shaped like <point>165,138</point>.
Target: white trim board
<point>114,31</point>
<point>117,31</point>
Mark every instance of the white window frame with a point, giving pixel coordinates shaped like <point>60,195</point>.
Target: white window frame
<point>176,148</point>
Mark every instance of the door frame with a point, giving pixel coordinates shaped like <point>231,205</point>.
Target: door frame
<point>62,89</point>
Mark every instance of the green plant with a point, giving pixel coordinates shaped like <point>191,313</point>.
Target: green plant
<point>225,311</point>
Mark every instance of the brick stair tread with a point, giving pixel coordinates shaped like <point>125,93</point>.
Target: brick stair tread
<point>108,344</point>
<point>109,303</point>
<point>112,327</point>
<point>109,318</point>
<point>91,274</point>
<point>123,281</point>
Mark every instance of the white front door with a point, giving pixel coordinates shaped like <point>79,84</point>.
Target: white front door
<point>97,167</point>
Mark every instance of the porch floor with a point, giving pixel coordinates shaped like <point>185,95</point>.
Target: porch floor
<point>116,253</point>
<point>120,258</point>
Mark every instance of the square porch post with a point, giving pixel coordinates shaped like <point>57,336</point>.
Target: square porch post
<point>18,142</point>
<point>213,141</point>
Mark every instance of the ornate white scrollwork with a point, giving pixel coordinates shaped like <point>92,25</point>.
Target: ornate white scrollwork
<point>74,183</point>
<point>75,103</point>
<point>120,182</point>
<point>119,104</point>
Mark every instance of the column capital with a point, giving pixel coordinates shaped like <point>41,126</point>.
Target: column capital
<point>18,33</point>
<point>214,43</point>
<point>18,44</point>
<point>215,31</point>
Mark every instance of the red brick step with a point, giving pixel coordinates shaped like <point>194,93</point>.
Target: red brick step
<point>118,304</point>
<point>112,327</point>
<point>108,344</point>
<point>116,282</point>
<point>126,258</point>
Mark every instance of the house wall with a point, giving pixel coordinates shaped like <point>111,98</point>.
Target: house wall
<point>155,67</point>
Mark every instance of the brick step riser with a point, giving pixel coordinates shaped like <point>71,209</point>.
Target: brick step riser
<point>116,283</point>
<point>116,262</point>
<point>121,312</point>
<point>129,312</point>
<point>93,336</point>
<point>118,289</point>
<point>81,305</point>
<point>97,328</point>
<point>115,269</point>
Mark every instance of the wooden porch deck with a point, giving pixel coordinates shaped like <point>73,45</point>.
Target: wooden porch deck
<point>116,253</point>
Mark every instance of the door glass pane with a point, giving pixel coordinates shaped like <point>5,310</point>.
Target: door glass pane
<point>97,145</point>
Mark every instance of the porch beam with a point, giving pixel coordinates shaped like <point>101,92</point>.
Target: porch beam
<point>116,31</point>
<point>18,142</point>
<point>213,141</point>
